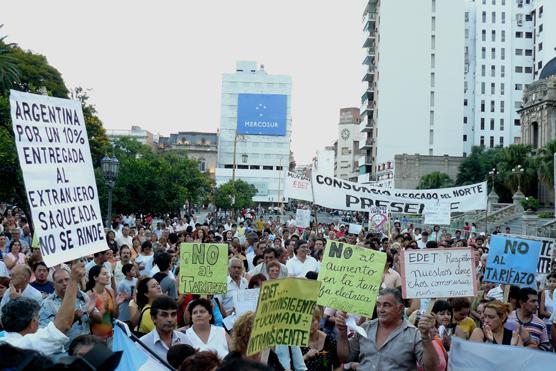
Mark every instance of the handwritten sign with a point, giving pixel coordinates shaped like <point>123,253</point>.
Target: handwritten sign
<point>284,314</point>
<point>512,260</point>
<point>545,257</point>
<point>203,268</point>
<point>298,187</point>
<point>351,277</point>
<point>438,273</point>
<point>57,167</point>
<point>378,217</point>
<point>437,214</point>
<point>302,218</point>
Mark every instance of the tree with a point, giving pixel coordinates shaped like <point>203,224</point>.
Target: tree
<point>545,163</point>
<point>435,180</point>
<point>9,73</point>
<point>98,141</point>
<point>239,191</point>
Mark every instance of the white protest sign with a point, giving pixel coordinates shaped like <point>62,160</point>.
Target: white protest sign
<point>246,301</point>
<point>55,159</point>
<point>437,214</point>
<point>354,228</point>
<point>298,187</point>
<point>437,273</point>
<point>335,193</point>
<point>302,218</point>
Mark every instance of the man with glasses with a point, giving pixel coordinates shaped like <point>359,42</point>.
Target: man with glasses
<point>302,262</point>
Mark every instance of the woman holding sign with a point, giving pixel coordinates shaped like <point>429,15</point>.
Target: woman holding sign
<point>321,353</point>
<point>495,329</point>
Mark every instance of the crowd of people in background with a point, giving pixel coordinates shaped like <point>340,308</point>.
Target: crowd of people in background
<point>69,308</point>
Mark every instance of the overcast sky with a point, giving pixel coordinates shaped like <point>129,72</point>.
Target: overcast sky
<point>159,64</point>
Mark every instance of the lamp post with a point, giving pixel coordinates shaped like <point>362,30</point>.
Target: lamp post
<point>518,171</point>
<point>110,167</point>
<point>492,174</point>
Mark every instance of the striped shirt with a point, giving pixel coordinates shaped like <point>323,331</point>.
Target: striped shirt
<point>537,330</point>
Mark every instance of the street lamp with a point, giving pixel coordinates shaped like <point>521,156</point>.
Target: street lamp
<point>518,171</point>
<point>110,167</point>
<point>492,174</point>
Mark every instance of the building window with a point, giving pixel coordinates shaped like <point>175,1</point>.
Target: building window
<point>503,36</point>
<point>518,69</point>
<point>433,42</point>
<point>528,70</point>
<point>502,89</point>
<point>432,61</point>
<point>528,35</point>
<point>464,138</point>
<point>483,70</point>
<point>502,71</point>
<point>254,167</point>
<point>483,35</point>
<point>482,142</point>
<point>266,167</point>
<point>503,18</point>
<point>517,140</point>
<point>540,46</point>
<point>465,119</point>
<point>529,52</point>
<point>539,66</point>
<point>492,88</point>
<point>493,17</point>
<point>528,17</point>
<point>502,124</point>
<point>519,34</point>
<point>519,52</point>
<point>502,106</point>
<point>493,35</point>
<point>431,136</point>
<point>493,71</point>
<point>482,106</point>
<point>202,165</point>
<point>432,98</point>
<point>517,122</point>
<point>493,53</point>
<point>433,24</point>
<point>517,105</point>
<point>491,124</point>
<point>503,53</point>
<point>518,86</point>
<point>432,79</point>
<point>482,123</point>
<point>484,17</point>
<point>483,88</point>
<point>502,141</point>
<point>491,142</point>
<point>492,106</point>
<point>541,11</point>
<point>483,52</point>
<point>431,118</point>
<point>465,102</point>
<point>540,28</point>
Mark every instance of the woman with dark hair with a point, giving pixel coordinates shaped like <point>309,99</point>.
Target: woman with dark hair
<point>111,241</point>
<point>256,281</point>
<point>15,256</point>
<point>202,333</point>
<point>102,295</point>
<point>148,289</point>
<point>4,285</point>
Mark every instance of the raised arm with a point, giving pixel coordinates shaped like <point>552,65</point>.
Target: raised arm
<point>65,315</point>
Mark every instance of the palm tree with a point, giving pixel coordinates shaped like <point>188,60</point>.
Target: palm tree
<point>545,163</point>
<point>510,158</point>
<point>435,180</point>
<point>9,73</point>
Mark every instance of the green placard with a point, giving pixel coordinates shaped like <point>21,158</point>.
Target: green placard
<point>203,268</point>
<point>284,313</point>
<point>351,277</point>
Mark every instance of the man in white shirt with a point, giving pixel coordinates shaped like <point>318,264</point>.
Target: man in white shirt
<point>269,254</point>
<point>164,313</point>
<point>302,262</point>
<point>20,318</point>
<point>235,283</point>
<point>19,286</point>
<point>422,243</point>
<point>125,238</point>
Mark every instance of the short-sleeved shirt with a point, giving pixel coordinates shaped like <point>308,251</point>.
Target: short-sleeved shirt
<point>537,330</point>
<point>47,340</point>
<point>391,279</point>
<point>153,341</point>
<point>127,286</point>
<point>401,351</point>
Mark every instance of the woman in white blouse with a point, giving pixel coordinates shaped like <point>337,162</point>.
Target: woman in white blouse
<point>203,335</point>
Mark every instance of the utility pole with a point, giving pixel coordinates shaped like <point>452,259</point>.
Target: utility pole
<point>234,165</point>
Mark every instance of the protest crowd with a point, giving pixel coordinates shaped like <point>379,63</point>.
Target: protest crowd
<point>62,313</point>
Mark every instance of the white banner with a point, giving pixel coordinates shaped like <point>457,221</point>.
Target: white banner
<point>469,355</point>
<point>437,273</point>
<point>302,218</point>
<point>340,194</point>
<point>55,159</point>
<point>298,187</point>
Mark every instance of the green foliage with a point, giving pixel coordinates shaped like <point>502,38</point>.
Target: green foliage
<point>149,182</point>
<point>435,180</point>
<point>98,141</point>
<point>240,191</point>
<point>546,214</point>
<point>530,203</point>
<point>545,163</point>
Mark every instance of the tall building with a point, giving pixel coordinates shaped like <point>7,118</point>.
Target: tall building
<point>255,130</point>
<point>347,149</point>
<point>412,102</point>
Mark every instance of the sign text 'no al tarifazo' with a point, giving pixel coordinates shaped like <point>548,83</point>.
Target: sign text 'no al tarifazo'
<point>55,159</point>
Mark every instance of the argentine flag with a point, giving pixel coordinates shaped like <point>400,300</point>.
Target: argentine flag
<point>134,357</point>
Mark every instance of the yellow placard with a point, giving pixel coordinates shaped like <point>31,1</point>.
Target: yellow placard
<point>203,268</point>
<point>284,313</point>
<point>351,277</point>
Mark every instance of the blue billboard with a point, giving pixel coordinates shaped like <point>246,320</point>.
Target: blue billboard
<point>262,114</point>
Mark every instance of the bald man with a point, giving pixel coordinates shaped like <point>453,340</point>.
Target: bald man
<point>19,286</point>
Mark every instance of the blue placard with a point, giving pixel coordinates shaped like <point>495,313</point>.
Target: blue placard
<point>512,260</point>
<point>262,114</point>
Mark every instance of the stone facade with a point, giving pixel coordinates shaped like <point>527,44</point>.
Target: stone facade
<point>410,168</point>
<point>538,113</point>
<point>202,147</point>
